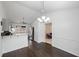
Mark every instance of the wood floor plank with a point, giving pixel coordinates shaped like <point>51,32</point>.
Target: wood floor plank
<point>38,50</point>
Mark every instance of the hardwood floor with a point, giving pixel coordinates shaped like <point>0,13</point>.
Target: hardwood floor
<point>38,50</point>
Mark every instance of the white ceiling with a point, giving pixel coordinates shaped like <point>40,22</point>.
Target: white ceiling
<point>30,10</point>
<point>49,5</point>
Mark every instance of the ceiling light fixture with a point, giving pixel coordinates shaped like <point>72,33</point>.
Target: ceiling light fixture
<point>43,19</point>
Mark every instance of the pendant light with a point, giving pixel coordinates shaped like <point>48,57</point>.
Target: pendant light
<point>43,19</point>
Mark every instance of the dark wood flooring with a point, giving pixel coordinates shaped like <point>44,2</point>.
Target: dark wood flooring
<point>38,50</point>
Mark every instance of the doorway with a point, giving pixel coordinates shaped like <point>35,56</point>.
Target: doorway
<point>48,33</point>
<point>32,33</point>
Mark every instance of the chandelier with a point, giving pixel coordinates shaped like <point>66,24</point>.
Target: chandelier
<point>43,19</point>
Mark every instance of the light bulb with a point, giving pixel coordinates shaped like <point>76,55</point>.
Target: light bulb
<point>40,20</point>
<point>47,19</point>
<point>43,17</point>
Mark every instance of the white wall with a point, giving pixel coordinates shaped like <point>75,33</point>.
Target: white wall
<point>2,15</point>
<point>39,31</point>
<point>66,29</point>
<point>5,26</point>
